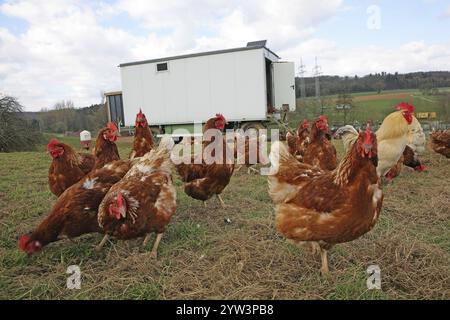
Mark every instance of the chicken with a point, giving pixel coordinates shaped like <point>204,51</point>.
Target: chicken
<point>395,170</point>
<point>143,138</point>
<point>416,145</point>
<point>319,151</point>
<point>348,134</point>
<point>324,207</point>
<point>202,177</point>
<point>75,211</point>
<point>143,201</point>
<point>416,136</point>
<point>440,142</point>
<point>105,147</point>
<point>296,143</point>
<point>409,158</point>
<point>392,137</point>
<point>249,150</point>
<point>67,166</point>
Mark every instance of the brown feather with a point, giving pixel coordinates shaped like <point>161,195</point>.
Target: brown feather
<point>75,211</point>
<point>327,206</point>
<point>319,151</point>
<point>440,142</point>
<point>150,198</point>
<point>202,181</point>
<point>142,142</point>
<point>67,169</point>
<point>105,151</point>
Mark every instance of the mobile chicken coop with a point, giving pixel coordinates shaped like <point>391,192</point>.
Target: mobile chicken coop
<point>248,85</point>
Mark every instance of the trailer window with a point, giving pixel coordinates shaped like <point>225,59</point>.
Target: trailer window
<point>161,67</point>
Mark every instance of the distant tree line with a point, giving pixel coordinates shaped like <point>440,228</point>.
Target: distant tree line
<point>428,82</point>
<point>17,133</point>
<point>64,117</point>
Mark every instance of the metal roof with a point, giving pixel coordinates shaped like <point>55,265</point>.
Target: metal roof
<point>250,46</point>
<point>257,43</point>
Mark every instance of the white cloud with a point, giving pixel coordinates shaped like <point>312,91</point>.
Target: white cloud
<point>337,60</point>
<point>71,49</point>
<point>65,53</point>
<point>69,52</point>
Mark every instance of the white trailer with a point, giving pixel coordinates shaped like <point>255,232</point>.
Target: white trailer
<point>244,84</point>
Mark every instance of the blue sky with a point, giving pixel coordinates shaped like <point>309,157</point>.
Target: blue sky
<point>52,50</point>
<point>401,21</point>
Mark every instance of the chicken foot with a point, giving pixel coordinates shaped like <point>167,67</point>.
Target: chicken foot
<point>221,201</point>
<point>102,243</point>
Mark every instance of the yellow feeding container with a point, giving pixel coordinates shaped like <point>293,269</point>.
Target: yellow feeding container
<point>422,115</point>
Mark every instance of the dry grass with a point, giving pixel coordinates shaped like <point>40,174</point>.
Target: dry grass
<point>203,257</point>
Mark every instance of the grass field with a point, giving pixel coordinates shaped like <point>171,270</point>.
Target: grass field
<point>202,256</point>
<point>367,105</point>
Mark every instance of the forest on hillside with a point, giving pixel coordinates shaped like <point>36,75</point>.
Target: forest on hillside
<point>330,85</point>
<point>64,117</point>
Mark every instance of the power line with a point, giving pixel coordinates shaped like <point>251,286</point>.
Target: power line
<point>301,72</point>
<point>317,71</point>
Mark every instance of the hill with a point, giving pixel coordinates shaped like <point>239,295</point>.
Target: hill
<point>329,85</point>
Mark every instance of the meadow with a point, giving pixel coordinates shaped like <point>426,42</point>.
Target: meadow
<point>230,253</point>
<point>366,105</point>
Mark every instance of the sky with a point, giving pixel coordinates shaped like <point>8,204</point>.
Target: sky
<point>52,50</point>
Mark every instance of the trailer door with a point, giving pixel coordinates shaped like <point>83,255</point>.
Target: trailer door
<point>115,105</point>
<point>284,85</point>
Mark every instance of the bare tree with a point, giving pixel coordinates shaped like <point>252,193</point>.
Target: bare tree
<point>16,133</point>
<point>344,104</point>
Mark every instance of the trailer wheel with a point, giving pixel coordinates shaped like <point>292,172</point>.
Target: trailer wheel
<point>252,125</point>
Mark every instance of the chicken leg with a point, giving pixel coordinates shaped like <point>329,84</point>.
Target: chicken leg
<point>250,169</point>
<point>154,253</point>
<point>324,269</point>
<point>221,201</point>
<point>147,237</point>
<point>102,243</point>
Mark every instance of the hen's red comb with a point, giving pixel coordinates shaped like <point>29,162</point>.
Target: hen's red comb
<point>405,106</point>
<point>140,114</point>
<point>220,116</point>
<point>305,123</point>
<point>119,199</point>
<point>368,134</point>
<point>112,126</point>
<point>323,118</point>
<point>51,144</point>
<point>23,242</point>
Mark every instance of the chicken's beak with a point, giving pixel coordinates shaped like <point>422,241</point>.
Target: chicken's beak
<point>367,147</point>
<point>112,137</point>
